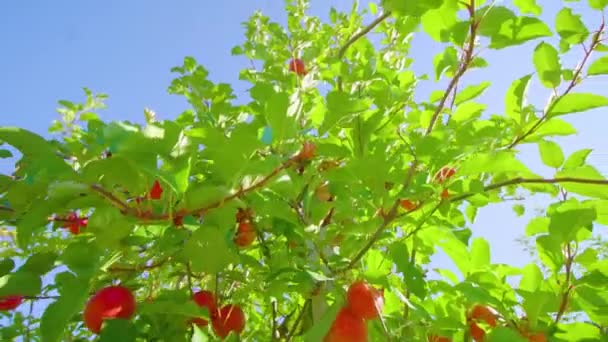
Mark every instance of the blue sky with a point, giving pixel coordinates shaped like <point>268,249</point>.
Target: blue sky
<point>126,48</point>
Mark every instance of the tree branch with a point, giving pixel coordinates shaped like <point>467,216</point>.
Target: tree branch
<point>555,100</point>
<point>362,33</point>
<point>138,268</point>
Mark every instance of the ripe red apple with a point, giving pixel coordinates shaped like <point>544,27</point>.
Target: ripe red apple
<point>444,174</point>
<point>297,65</point>
<point>156,191</point>
<point>112,302</point>
<point>10,302</point>
<point>408,205</point>
<point>229,318</point>
<point>347,327</point>
<point>245,234</point>
<point>205,299</point>
<point>364,300</point>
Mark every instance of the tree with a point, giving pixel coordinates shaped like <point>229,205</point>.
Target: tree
<point>309,211</point>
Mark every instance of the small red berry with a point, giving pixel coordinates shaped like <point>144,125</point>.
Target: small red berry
<point>10,302</point>
<point>297,66</point>
<point>307,152</point>
<point>156,191</point>
<point>445,194</point>
<point>444,174</point>
<point>245,234</point>
<point>408,205</point>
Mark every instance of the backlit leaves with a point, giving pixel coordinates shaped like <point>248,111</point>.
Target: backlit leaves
<point>547,63</point>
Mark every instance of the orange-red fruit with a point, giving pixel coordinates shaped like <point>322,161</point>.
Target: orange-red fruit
<point>445,194</point>
<point>477,333</point>
<point>307,152</point>
<point>347,327</point>
<point>537,337</point>
<point>156,191</point>
<point>435,338</point>
<point>364,300</point>
<point>482,313</point>
<point>111,302</point>
<point>75,224</point>
<point>10,302</point>
<point>408,205</point>
<point>205,299</point>
<point>229,318</point>
<point>245,234</point>
<point>444,174</point>
<point>297,65</point>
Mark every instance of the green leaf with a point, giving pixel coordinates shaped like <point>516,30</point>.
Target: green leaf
<point>548,67</point>
<point>39,263</point>
<point>570,26</point>
<point>579,331</point>
<point>74,293</point>
<point>81,257</point>
<point>538,225</point>
<point>177,173</point>
<point>198,335</point>
<point>118,330</point>
<point>471,92</point>
<point>577,102</point>
<point>22,283</point>
<point>598,67</point>
<point>439,22</point>
<point>321,327</point>
<point>506,29</point>
<point>577,159</point>
<point>340,106</point>
<point>109,226</point>
<point>411,8</point>
<point>283,124</point>
<point>550,251</point>
<point>5,153</point>
<point>504,334</point>
<point>531,279</point>
<point>208,250</point>
<point>528,7</point>
<point>6,266</point>
<point>492,162</point>
<point>514,98</point>
<point>480,254</point>
<point>414,279</point>
<point>376,265</point>
<point>519,209</point>
<point>564,225</point>
<point>445,61</point>
<point>467,111</point>
<point>551,153</point>
<point>598,4</point>
<point>589,190</point>
<point>555,127</point>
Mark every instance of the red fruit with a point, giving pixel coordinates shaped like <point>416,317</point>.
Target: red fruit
<point>444,174</point>
<point>111,302</point>
<point>364,300</point>
<point>156,191</point>
<point>537,337</point>
<point>307,152</point>
<point>435,338</point>
<point>445,194</point>
<point>75,223</point>
<point>244,214</point>
<point>245,234</point>
<point>297,65</point>
<point>408,205</point>
<point>483,313</point>
<point>229,318</point>
<point>347,327</point>
<point>10,302</point>
<point>205,299</point>
<point>477,333</point>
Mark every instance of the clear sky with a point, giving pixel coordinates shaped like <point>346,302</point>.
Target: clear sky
<point>52,49</point>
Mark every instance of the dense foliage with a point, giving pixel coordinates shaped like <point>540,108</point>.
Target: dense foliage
<point>310,210</point>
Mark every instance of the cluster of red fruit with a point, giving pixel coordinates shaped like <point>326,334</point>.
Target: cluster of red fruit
<point>245,232</point>
<point>363,303</point>
<point>117,302</point>
<point>482,314</point>
<point>228,318</point>
<point>441,176</point>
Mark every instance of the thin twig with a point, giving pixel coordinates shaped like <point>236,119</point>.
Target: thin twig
<point>138,268</point>
<point>295,325</point>
<point>362,33</point>
<point>555,99</point>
